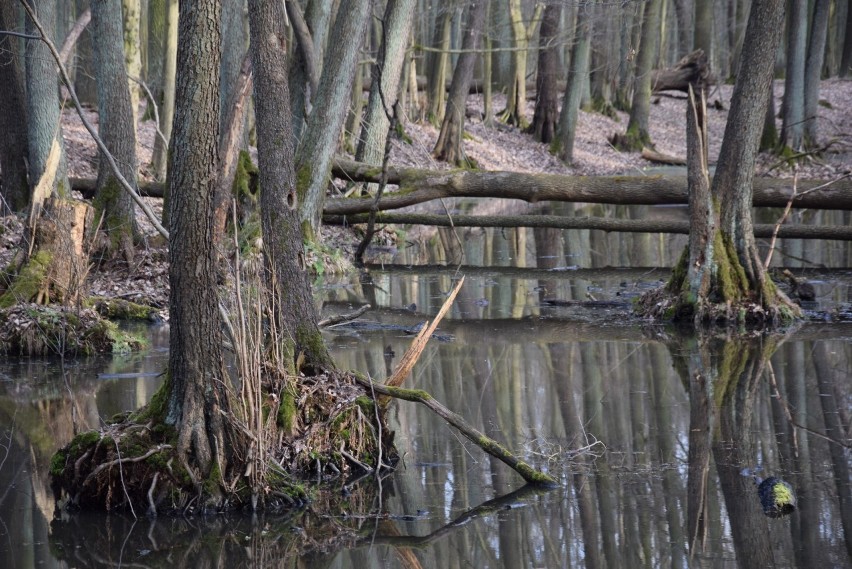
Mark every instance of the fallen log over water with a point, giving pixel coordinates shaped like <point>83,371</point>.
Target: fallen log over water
<point>418,186</point>
<point>790,231</point>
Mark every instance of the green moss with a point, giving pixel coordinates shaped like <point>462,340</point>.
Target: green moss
<point>731,277</point>
<point>678,279</point>
<point>303,181</point>
<point>29,280</point>
<point>113,221</point>
<point>57,463</point>
<point>213,482</point>
<point>120,309</point>
<point>286,410</point>
<point>244,186</point>
<point>157,407</point>
<point>402,135</point>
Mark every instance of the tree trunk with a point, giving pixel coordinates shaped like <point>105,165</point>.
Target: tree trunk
<point>131,12</point>
<point>683,15</point>
<point>56,270</point>
<point>703,37</point>
<point>692,69</point>
<point>84,74</point>
<point>43,102</point>
<point>318,144</point>
<point>167,109</point>
<point>386,77</point>
<point>734,179</point>
<point>449,146</point>
<point>196,382</point>
<point>283,250</point>
<point>793,105</point>
<point>813,69</point>
<point>577,77</point>
<point>769,136</point>
<point>846,59</point>
<point>546,114</point>
<point>438,67</point>
<point>516,101</point>
<point>637,128</point>
<point>114,209</point>
<point>14,188</point>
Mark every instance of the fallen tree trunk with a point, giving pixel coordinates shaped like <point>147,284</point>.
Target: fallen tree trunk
<point>418,186</point>
<point>86,186</point>
<point>837,232</point>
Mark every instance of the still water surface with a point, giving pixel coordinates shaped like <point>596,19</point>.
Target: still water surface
<point>646,428</point>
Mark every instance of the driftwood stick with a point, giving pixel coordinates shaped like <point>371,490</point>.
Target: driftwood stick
<point>340,318</point>
<point>486,443</point>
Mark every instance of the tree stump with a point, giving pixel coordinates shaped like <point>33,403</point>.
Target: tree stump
<point>53,265</point>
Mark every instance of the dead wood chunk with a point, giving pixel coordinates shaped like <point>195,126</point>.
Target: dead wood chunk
<point>660,158</point>
<point>60,233</point>
<point>691,70</point>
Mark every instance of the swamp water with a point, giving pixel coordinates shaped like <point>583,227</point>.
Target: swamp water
<point>648,430</point>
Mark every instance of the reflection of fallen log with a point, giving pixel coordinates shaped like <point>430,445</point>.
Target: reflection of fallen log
<point>789,231</point>
<point>660,158</point>
<point>419,186</point>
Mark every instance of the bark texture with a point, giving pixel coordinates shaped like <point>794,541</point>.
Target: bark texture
<point>43,101</point>
<point>813,69</point>
<point>196,393</point>
<point>384,91</point>
<point>113,206</point>
<point>282,236</point>
<point>167,108</point>
<point>793,105</point>
<point>13,117</point>
<point>313,159</point>
<point>546,115</point>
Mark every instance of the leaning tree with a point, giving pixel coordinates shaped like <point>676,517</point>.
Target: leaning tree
<point>720,275</point>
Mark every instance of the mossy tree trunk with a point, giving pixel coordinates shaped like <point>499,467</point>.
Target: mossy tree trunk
<point>721,277</point>
<point>282,235</point>
<point>437,67</point>
<point>114,210</point>
<point>449,146</point>
<point>516,101</point>
<point>195,395</point>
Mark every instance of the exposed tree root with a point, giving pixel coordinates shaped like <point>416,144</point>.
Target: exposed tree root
<point>325,430</point>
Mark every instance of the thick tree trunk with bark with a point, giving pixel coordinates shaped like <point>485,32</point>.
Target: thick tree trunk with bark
<point>14,188</point>
<point>546,116</point>
<point>131,13</point>
<point>721,277</point>
<point>114,209</point>
<point>318,144</point>
<point>282,236</point>
<point>43,102</point>
<point>196,394</point>
<point>449,146</point>
<point>521,33</point>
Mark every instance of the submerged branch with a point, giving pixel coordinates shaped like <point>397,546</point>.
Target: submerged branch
<point>486,443</point>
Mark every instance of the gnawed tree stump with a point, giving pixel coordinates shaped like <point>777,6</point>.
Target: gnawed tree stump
<point>52,266</point>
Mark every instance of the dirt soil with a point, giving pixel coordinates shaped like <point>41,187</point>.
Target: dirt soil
<point>494,148</point>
